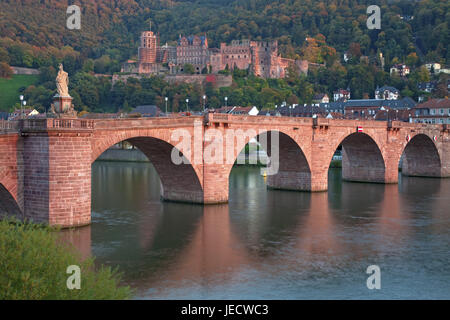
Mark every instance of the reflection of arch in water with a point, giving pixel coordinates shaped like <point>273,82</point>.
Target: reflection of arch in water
<point>317,233</point>
<point>155,232</point>
<point>154,242</point>
<point>421,158</point>
<point>349,200</point>
<point>207,249</point>
<point>419,193</point>
<point>274,224</point>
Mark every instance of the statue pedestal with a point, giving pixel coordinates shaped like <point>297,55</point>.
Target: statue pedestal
<point>62,106</point>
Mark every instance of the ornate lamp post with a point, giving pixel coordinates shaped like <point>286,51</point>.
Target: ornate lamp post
<point>187,105</point>
<point>226,102</point>
<point>204,103</point>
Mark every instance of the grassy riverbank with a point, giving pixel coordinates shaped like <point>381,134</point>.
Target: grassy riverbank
<point>34,262</point>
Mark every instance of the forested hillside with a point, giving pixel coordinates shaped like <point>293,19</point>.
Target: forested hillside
<point>33,34</point>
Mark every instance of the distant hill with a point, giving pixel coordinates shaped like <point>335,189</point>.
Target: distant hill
<point>113,27</point>
<point>33,34</point>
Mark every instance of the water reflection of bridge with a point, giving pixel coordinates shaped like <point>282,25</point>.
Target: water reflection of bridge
<point>294,232</point>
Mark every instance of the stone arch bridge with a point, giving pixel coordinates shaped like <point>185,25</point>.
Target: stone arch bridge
<point>45,164</point>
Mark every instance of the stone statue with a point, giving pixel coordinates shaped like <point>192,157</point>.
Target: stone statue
<point>62,82</point>
<point>62,101</point>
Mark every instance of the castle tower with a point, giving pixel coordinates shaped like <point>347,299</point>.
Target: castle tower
<point>148,48</point>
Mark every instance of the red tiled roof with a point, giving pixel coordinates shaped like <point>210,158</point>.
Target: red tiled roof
<point>435,103</point>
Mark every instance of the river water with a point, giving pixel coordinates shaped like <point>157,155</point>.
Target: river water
<point>268,244</point>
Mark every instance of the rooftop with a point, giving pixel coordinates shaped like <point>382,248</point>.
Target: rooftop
<point>435,103</point>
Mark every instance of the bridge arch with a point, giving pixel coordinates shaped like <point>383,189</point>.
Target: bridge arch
<point>8,204</point>
<point>421,157</point>
<point>179,182</point>
<point>288,162</point>
<point>362,158</point>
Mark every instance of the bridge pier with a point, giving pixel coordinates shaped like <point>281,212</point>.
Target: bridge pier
<point>56,172</point>
<point>215,183</point>
<point>290,180</point>
<point>57,178</point>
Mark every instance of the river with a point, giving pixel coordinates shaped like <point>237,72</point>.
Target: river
<point>269,244</point>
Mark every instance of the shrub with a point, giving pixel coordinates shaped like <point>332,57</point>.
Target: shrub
<point>5,70</point>
<point>33,264</point>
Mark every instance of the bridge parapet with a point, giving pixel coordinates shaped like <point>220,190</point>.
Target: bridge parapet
<point>248,119</point>
<point>51,124</point>
<point>7,126</point>
<point>130,123</point>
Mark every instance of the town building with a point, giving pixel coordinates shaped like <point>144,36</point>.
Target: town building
<point>321,98</point>
<point>386,93</point>
<point>367,108</point>
<point>435,111</point>
<point>26,112</point>
<point>444,70</point>
<point>401,69</point>
<point>304,110</point>
<point>341,95</point>
<point>433,67</point>
<point>429,86</point>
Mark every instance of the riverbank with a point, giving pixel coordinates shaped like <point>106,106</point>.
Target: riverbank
<point>35,266</point>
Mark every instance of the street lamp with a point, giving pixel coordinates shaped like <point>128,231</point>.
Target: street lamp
<point>290,111</point>
<point>187,105</point>
<point>226,102</point>
<point>167,99</point>
<point>204,103</point>
<point>24,103</point>
<point>21,101</point>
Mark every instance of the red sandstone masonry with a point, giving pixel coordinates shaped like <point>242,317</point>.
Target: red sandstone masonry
<point>46,170</point>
